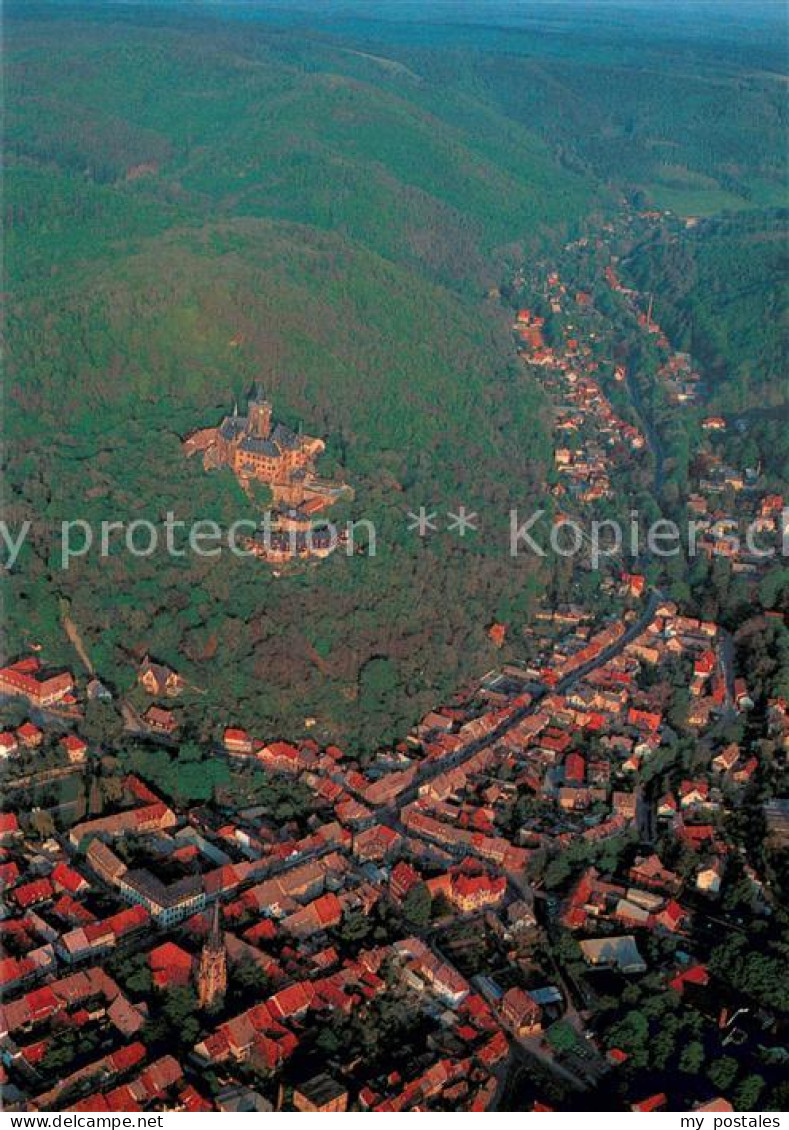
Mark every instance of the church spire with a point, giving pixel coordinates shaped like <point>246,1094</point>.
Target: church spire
<point>212,973</point>
<point>216,937</point>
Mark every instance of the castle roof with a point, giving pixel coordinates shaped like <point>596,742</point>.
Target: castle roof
<point>257,446</point>
<point>232,427</point>
<point>286,438</point>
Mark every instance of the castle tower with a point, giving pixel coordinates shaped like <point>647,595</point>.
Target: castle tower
<point>259,414</point>
<point>212,973</point>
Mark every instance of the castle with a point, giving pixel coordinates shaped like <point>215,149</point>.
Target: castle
<point>257,449</point>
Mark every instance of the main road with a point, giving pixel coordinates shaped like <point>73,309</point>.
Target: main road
<point>466,752</point>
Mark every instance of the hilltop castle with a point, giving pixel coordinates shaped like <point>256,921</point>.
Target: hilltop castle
<point>257,449</point>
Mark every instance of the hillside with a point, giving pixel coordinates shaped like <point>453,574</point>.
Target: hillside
<point>688,113</point>
<point>228,122</point>
<point>244,217</point>
<point>721,293</point>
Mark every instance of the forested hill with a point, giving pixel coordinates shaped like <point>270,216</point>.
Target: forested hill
<point>721,292</point>
<point>194,205</point>
<point>193,119</point>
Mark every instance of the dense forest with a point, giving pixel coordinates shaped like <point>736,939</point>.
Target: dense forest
<point>194,202</point>
<point>721,287</point>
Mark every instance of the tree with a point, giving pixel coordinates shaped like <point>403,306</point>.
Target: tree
<point>632,1034</point>
<point>328,1042</point>
<point>678,710</point>
<point>102,724</point>
<point>747,1094</point>
<point>662,1048</point>
<point>692,1059</point>
<point>722,1072</point>
<point>112,789</point>
<point>558,872</point>
<point>441,906</point>
<point>417,905</point>
<point>139,982</point>
<point>779,1097</point>
<point>250,978</point>
<point>180,1012</point>
<point>95,797</point>
<point>43,823</point>
<point>355,927</point>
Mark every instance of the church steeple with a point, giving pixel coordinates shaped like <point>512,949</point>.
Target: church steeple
<point>215,938</point>
<point>212,973</point>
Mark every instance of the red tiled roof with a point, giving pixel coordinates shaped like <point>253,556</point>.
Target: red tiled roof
<point>594,721</point>
<point>139,789</point>
<point>575,918</point>
<point>34,1053</point>
<point>262,931</point>
<point>328,909</point>
<point>404,876</point>
<point>9,873</point>
<point>696,834</point>
<point>67,878</point>
<point>654,1102</point>
<point>221,879</point>
<point>42,1002</point>
<point>232,735</point>
<point>8,823</point>
<point>169,956</point>
<point>193,1101</point>
<point>673,911</point>
<point>281,750</point>
<point>467,886</point>
<point>292,1000</point>
<point>644,718</point>
<point>128,1056</point>
<point>494,1049</point>
<point>28,730</point>
<point>97,1103</point>
<point>30,893</point>
<point>127,920</point>
<point>13,970</point>
<point>696,975</point>
<point>118,1099</point>
<point>73,744</point>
